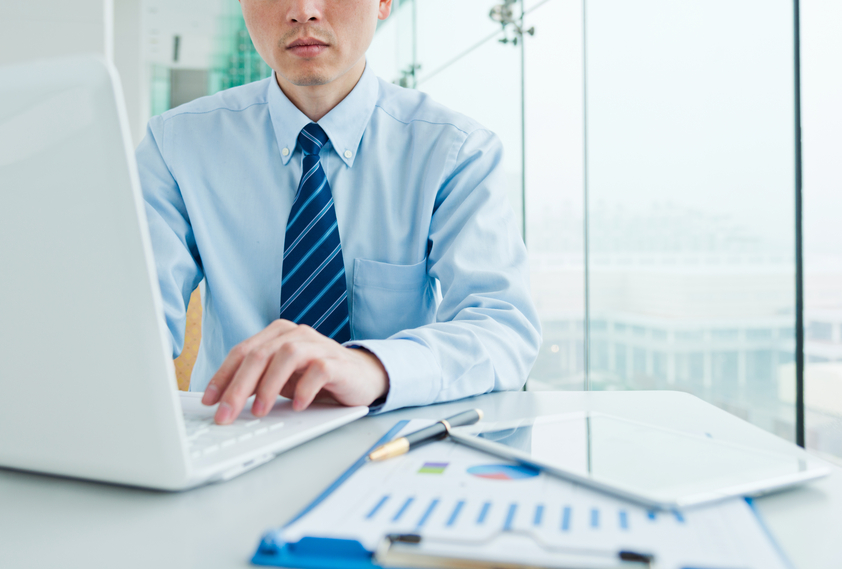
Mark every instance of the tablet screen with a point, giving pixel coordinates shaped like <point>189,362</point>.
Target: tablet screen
<point>665,465</point>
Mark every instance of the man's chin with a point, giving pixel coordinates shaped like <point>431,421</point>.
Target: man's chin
<point>311,81</point>
<point>309,78</point>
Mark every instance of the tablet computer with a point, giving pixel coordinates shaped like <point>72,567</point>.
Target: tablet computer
<point>651,465</point>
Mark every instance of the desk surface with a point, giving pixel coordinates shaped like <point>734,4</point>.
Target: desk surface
<point>53,522</point>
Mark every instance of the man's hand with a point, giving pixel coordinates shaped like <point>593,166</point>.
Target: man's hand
<point>296,362</point>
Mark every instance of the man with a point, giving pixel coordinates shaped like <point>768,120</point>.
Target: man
<point>325,209</point>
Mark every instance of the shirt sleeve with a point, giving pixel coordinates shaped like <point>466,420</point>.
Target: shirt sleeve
<point>487,332</point>
<point>177,258</point>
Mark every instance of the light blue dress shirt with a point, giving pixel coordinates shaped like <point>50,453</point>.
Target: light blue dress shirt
<point>436,269</point>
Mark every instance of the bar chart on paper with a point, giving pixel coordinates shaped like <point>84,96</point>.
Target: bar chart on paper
<point>450,493</point>
<point>502,471</point>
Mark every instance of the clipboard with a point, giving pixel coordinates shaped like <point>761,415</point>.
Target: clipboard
<point>334,536</point>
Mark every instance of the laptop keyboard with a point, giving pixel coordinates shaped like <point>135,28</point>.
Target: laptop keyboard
<point>204,437</point>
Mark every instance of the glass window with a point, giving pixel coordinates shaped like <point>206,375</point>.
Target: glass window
<point>821,119</point>
<point>690,192</point>
<point>554,177</point>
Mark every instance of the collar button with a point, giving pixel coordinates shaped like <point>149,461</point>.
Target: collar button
<point>285,151</point>
<point>348,154</point>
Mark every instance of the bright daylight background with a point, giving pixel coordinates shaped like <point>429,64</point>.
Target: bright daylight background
<point>650,158</point>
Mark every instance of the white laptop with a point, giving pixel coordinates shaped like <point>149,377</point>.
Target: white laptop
<point>87,383</point>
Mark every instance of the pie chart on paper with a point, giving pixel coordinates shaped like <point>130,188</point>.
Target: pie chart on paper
<point>502,472</point>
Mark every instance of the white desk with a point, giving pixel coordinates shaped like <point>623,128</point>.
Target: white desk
<point>52,522</point>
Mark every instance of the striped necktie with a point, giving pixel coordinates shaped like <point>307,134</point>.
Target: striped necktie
<point>313,290</point>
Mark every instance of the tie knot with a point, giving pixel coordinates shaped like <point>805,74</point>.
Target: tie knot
<point>312,138</point>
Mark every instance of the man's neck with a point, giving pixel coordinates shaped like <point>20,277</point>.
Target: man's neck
<point>316,101</point>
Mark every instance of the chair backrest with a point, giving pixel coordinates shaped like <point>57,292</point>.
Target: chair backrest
<point>192,338</point>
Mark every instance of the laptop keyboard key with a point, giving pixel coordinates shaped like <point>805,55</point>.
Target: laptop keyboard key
<point>204,437</point>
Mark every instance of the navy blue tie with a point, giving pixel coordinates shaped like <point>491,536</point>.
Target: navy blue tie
<point>313,290</point>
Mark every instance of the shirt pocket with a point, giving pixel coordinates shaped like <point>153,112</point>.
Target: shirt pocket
<point>389,298</point>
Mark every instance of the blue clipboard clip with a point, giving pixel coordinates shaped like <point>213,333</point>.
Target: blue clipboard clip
<point>321,552</point>
<point>314,553</point>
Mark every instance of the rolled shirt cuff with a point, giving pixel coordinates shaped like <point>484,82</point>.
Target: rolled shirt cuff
<point>414,374</point>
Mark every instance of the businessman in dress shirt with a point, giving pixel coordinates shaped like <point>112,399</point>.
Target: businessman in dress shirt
<point>435,271</point>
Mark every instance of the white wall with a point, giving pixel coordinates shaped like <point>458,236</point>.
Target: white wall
<point>49,28</point>
<point>52,28</point>
<point>194,21</point>
<point>129,60</point>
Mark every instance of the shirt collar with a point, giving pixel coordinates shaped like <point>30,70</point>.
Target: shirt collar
<point>344,124</point>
